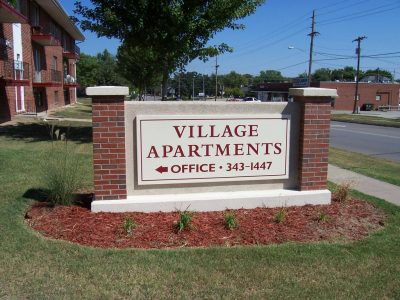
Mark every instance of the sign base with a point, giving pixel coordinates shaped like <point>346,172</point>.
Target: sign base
<point>215,201</point>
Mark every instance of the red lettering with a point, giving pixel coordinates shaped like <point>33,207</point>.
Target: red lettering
<point>179,133</point>
<point>221,152</point>
<point>253,130</point>
<point>194,151</point>
<point>153,151</point>
<point>239,149</point>
<point>278,148</point>
<point>228,131</point>
<point>179,152</point>
<point>166,150</point>
<point>212,127</point>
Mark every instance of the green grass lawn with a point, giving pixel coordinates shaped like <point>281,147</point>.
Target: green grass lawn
<point>370,166</point>
<point>35,267</point>
<point>80,110</point>
<point>363,119</point>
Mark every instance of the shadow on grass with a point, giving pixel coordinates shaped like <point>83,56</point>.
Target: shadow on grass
<point>42,195</point>
<point>41,132</point>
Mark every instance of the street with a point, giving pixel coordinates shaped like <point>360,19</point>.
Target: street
<point>377,141</point>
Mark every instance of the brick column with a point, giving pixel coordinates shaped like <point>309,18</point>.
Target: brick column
<point>314,136</point>
<point>109,161</point>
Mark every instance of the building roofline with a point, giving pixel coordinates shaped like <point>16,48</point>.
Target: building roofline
<point>58,13</point>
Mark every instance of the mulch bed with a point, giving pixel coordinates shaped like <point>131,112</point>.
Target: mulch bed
<point>349,221</point>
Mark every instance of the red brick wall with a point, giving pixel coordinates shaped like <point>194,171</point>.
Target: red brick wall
<point>367,92</point>
<point>314,142</point>
<point>109,147</point>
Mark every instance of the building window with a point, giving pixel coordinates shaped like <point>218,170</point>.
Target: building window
<point>56,97</point>
<point>35,16</point>
<point>378,97</point>
<point>54,63</point>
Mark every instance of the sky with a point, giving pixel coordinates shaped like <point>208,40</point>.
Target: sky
<point>278,25</point>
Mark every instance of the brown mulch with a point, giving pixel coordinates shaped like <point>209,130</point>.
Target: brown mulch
<point>349,221</point>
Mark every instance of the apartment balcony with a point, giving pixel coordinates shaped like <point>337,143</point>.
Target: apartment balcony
<point>14,73</point>
<point>47,78</point>
<point>72,53</point>
<point>9,13</point>
<point>69,81</point>
<point>46,35</point>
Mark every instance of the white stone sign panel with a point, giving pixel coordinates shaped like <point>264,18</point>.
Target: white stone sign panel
<point>198,148</point>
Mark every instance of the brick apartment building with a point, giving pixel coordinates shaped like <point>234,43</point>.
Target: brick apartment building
<point>38,55</point>
<point>377,94</point>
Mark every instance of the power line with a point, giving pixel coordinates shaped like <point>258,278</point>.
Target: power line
<point>358,15</point>
<point>344,7</point>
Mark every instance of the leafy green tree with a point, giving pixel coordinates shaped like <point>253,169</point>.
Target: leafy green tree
<point>303,75</point>
<point>269,75</point>
<point>138,67</point>
<point>379,72</point>
<point>177,31</point>
<point>234,80</point>
<point>235,92</point>
<point>87,69</point>
<point>108,73</point>
<point>323,74</point>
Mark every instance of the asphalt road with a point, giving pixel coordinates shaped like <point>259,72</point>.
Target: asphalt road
<point>367,139</point>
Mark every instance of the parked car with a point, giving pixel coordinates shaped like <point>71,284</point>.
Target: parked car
<point>250,99</point>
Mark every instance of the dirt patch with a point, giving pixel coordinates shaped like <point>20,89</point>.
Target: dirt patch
<point>348,221</point>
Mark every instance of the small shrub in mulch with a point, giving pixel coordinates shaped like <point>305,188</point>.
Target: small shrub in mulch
<point>348,221</point>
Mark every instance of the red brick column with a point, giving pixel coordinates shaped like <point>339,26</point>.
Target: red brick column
<point>109,161</point>
<point>314,136</point>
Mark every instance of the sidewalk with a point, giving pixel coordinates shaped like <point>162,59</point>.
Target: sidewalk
<point>366,185</point>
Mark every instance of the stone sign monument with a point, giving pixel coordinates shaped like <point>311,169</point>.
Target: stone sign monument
<point>207,156</point>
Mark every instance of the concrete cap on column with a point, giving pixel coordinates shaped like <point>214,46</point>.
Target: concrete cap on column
<point>107,91</point>
<point>313,92</point>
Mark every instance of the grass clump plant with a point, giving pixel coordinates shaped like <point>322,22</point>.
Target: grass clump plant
<point>230,221</point>
<point>323,217</point>
<point>281,216</point>
<point>128,225</point>
<point>62,170</point>
<point>342,192</point>
<point>185,217</point>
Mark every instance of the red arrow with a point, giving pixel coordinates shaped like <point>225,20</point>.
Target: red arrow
<point>162,169</point>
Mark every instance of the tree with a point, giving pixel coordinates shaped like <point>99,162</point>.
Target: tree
<point>378,72</point>
<point>235,92</point>
<point>269,75</point>
<point>323,74</point>
<point>98,70</point>
<point>138,67</point>
<point>177,31</point>
<point>108,71</point>
<point>87,69</point>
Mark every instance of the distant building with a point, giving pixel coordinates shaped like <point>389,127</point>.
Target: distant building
<point>377,94</point>
<point>38,55</point>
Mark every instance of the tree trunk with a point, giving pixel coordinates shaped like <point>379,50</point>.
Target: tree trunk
<point>165,76</point>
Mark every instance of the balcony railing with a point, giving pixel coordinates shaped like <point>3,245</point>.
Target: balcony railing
<point>73,52</point>
<point>47,35</point>
<point>14,70</point>
<point>13,11</point>
<point>47,77</point>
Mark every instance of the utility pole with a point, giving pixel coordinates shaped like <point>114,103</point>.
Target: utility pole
<point>358,52</point>
<point>312,35</point>
<point>216,77</point>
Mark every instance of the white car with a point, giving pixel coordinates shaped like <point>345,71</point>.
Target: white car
<point>250,99</point>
